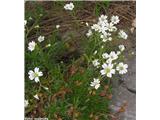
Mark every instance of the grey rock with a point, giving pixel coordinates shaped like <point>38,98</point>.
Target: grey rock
<point>123,92</point>
<point>130,77</point>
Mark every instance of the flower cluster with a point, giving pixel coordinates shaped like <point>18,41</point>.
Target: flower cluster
<point>107,64</point>
<point>108,69</point>
<point>36,73</point>
<point>106,27</point>
<point>31,45</point>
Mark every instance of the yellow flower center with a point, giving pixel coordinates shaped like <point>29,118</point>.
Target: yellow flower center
<point>36,74</point>
<point>108,70</point>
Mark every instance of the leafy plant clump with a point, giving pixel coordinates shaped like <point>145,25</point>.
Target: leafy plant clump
<point>63,86</point>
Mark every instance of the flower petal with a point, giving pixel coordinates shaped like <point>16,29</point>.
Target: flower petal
<point>36,79</point>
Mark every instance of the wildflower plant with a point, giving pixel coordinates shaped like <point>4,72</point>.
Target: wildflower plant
<point>106,60</point>
<point>57,87</point>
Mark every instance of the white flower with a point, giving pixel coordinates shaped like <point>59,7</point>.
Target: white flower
<point>89,33</point>
<point>48,45</point>
<point>102,47</point>
<point>110,39</point>
<point>95,63</point>
<point>40,15</point>
<point>115,19</point>
<point>121,47</point>
<point>25,22</point>
<point>87,24</point>
<point>109,61</point>
<point>132,53</point>
<point>57,26</point>
<point>122,34</point>
<point>95,52</point>
<point>105,37</point>
<point>26,103</point>
<point>46,88</point>
<point>41,38</point>
<point>36,96</point>
<point>34,75</point>
<point>30,18</point>
<point>103,18</point>
<point>69,6</point>
<point>37,26</point>
<point>107,70</point>
<point>105,55</point>
<point>95,83</point>
<point>118,52</point>
<point>122,68</point>
<point>113,55</point>
<point>95,27</point>
<point>102,27</point>
<point>111,27</point>
<point>31,45</point>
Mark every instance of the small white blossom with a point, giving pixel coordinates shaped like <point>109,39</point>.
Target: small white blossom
<point>46,88</point>
<point>37,26</point>
<point>102,46</point>
<point>109,61</point>
<point>105,55</point>
<point>122,34</point>
<point>113,55</point>
<point>36,96</point>
<point>95,83</point>
<point>95,52</point>
<point>25,22</point>
<point>111,27</point>
<point>34,75</point>
<point>118,52</point>
<point>115,19</point>
<point>132,53</point>
<point>41,38</point>
<point>110,39</point>
<point>69,6</point>
<point>102,27</point>
<point>40,15</point>
<point>107,70</point>
<point>95,63</point>
<point>105,37</point>
<point>103,18</point>
<point>57,26</point>
<point>30,18</point>
<point>122,68</point>
<point>121,47</point>
<point>89,33</point>
<point>48,45</point>
<point>87,24</point>
<point>31,45</point>
<point>26,103</point>
<point>95,27</point>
